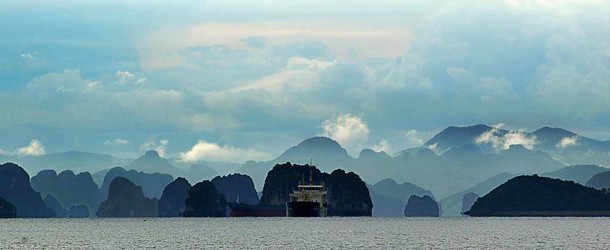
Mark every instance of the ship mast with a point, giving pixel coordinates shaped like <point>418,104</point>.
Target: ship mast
<point>310,171</point>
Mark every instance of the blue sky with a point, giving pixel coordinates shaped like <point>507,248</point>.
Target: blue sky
<point>239,80</point>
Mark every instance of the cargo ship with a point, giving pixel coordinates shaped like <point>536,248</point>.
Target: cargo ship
<point>309,200</point>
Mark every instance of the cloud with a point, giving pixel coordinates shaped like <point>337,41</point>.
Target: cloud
<point>567,142</point>
<point>501,140</point>
<point>413,139</point>
<point>306,38</point>
<point>279,73</point>
<point>117,141</point>
<point>27,56</point>
<point>34,149</point>
<point>383,146</point>
<point>208,151</point>
<point>349,130</point>
<point>159,146</point>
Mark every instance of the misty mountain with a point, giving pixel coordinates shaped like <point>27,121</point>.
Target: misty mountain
<point>151,162</point>
<point>384,206</point>
<point>152,184</point>
<point>326,154</point>
<point>68,189</point>
<point>563,145</point>
<point>579,173</point>
<point>72,160</point>
<point>456,169</point>
<point>390,198</point>
<point>453,137</point>
<point>388,187</point>
<point>452,205</point>
<point>600,181</point>
<point>199,172</point>
<point>219,167</point>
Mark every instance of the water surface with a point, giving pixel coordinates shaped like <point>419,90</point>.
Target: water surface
<point>307,233</point>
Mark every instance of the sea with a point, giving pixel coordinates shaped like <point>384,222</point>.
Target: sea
<point>306,233</point>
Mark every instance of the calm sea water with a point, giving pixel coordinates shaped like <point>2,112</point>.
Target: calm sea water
<point>307,233</point>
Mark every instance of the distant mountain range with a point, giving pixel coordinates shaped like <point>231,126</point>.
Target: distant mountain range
<point>453,160</point>
<point>456,169</point>
<point>563,145</point>
<point>72,160</point>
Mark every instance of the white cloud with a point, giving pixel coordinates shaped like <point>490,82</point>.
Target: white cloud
<point>567,142</point>
<point>159,146</point>
<point>503,141</point>
<point>124,76</point>
<point>349,130</point>
<point>27,56</point>
<point>208,151</point>
<point>34,149</point>
<point>413,139</point>
<point>117,141</point>
<point>383,146</point>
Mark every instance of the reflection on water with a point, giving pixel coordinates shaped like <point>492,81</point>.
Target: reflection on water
<point>302,233</point>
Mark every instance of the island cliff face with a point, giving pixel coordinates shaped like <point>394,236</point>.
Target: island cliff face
<point>237,185</point>
<point>172,202</point>
<point>68,189</point>
<point>421,207</point>
<point>7,210</point>
<point>542,196</point>
<point>126,199</point>
<point>347,195</point>
<point>15,188</point>
<point>205,201</point>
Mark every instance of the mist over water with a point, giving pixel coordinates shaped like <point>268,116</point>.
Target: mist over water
<point>301,233</point>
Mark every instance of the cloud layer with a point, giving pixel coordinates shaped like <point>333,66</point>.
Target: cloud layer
<point>294,69</point>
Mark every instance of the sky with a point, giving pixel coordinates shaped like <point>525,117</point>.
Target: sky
<point>245,80</point>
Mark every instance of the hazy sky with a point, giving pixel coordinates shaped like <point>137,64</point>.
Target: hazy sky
<point>237,80</point>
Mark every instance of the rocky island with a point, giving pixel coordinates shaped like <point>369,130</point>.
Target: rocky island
<point>172,202</point>
<point>541,196</point>
<point>205,201</point>
<point>421,207</point>
<point>16,189</point>
<point>348,195</point>
<point>126,199</point>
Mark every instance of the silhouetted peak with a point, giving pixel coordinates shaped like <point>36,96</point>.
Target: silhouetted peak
<point>386,182</point>
<point>151,154</point>
<point>319,141</point>
<point>66,173</point>
<point>371,154</point>
<point>182,180</point>
<point>314,147</point>
<point>453,136</point>
<point>548,131</point>
<point>123,185</point>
